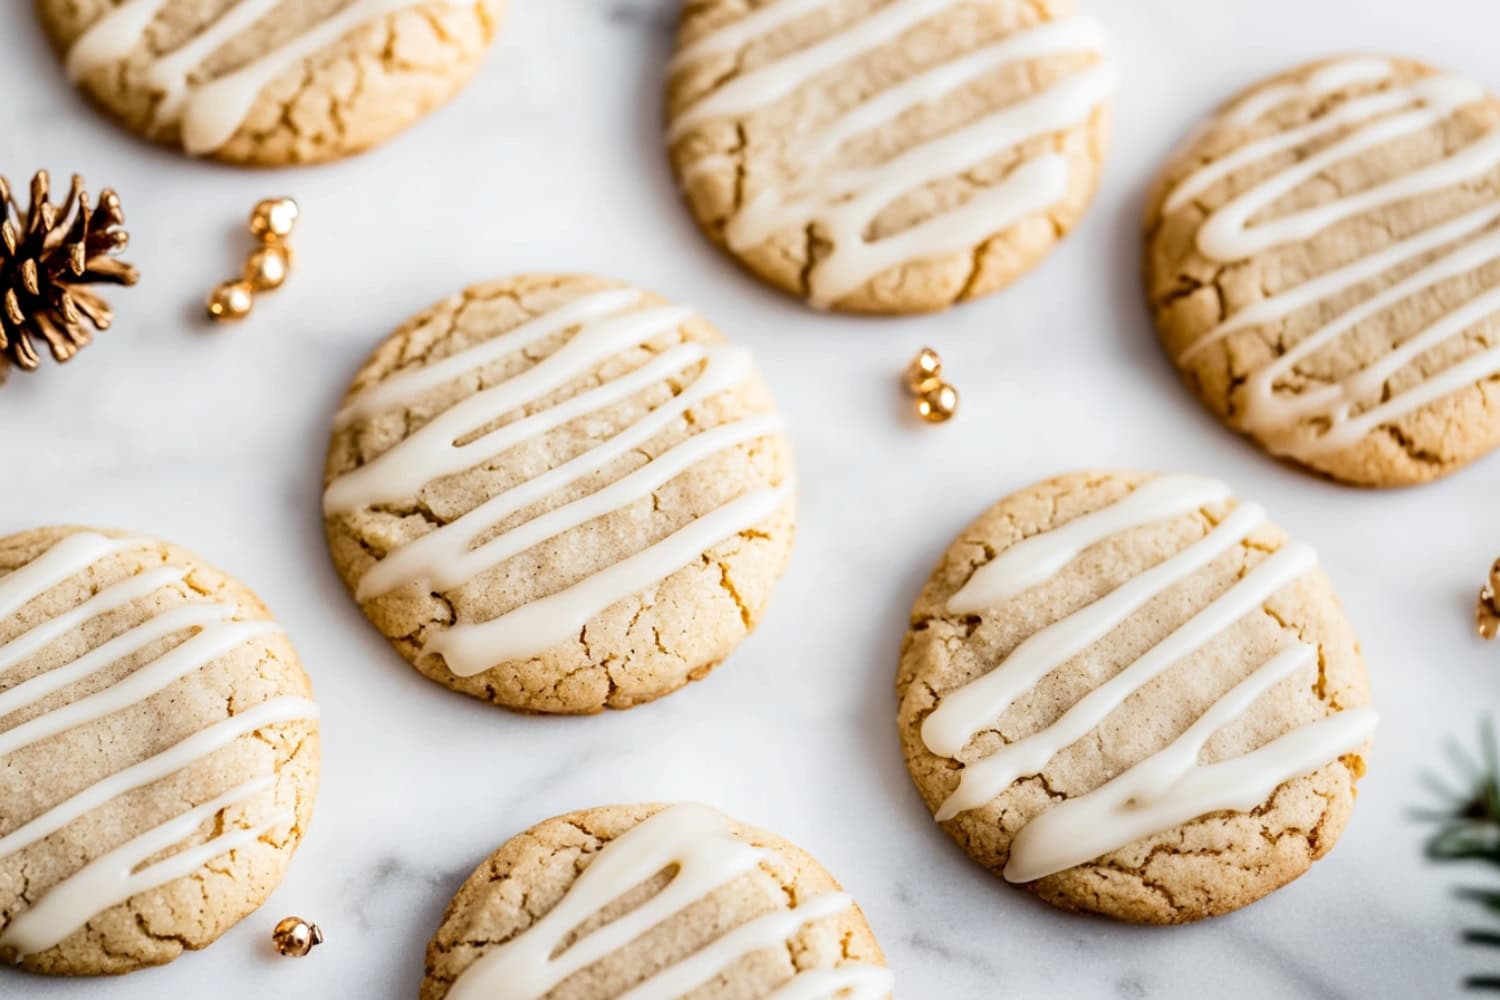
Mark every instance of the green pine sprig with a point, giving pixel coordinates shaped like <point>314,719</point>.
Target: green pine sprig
<point>1468,829</point>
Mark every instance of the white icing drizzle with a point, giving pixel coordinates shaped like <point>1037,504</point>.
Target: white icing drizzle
<point>117,596</point>
<point>982,781</point>
<point>1030,562</point>
<point>211,112</point>
<point>472,648</point>
<point>450,555</point>
<point>967,711</point>
<point>844,203</point>
<point>1174,788</point>
<point>431,453</point>
<point>201,744</point>
<point>1280,419</point>
<point>1329,79</point>
<point>409,385</point>
<point>1169,787</point>
<point>69,557</point>
<point>696,841</point>
<point>114,877</point>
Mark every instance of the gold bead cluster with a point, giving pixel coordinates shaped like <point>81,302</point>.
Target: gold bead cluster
<point>295,937</point>
<point>267,267</point>
<point>1488,612</point>
<point>937,401</point>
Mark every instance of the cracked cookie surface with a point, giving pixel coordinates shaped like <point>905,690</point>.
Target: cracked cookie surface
<point>270,82</point>
<point>560,494</point>
<point>1215,596</point>
<point>507,899</point>
<point>1323,262</point>
<point>150,711</point>
<point>888,156</point>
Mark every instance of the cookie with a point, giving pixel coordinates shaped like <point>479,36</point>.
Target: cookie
<point>560,494</point>
<point>158,752</point>
<point>1323,260</point>
<point>270,82</point>
<point>887,157</point>
<point>1134,695</point>
<point>652,901</point>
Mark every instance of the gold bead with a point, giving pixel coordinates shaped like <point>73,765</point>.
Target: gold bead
<point>230,301</point>
<point>273,219</point>
<point>938,403</point>
<point>267,266</point>
<point>295,937</point>
<point>1487,614</point>
<point>924,372</point>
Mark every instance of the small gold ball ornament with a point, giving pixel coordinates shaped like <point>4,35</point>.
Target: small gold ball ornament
<point>1487,614</point>
<point>231,301</point>
<point>295,937</point>
<point>267,267</point>
<point>924,372</point>
<point>273,219</point>
<point>938,403</point>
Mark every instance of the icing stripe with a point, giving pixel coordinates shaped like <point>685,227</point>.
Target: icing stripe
<point>844,204</point>
<point>1282,419</point>
<point>1329,79</point>
<point>451,566</point>
<point>763,932</point>
<point>1359,110</point>
<point>211,112</point>
<point>194,654</point>
<point>1310,293</point>
<point>430,453</point>
<point>410,385</point>
<point>767,84</point>
<point>201,744</point>
<point>846,982</point>
<point>109,653</point>
<point>967,711</point>
<point>67,558</point>
<point>444,557</point>
<point>735,35</point>
<point>696,842</point>
<point>1171,788</point>
<point>452,554</point>
<point>471,648</point>
<point>1167,788</point>
<point>109,599</point>
<point>1229,236</point>
<point>1037,559</point>
<point>112,878</point>
<point>982,781</point>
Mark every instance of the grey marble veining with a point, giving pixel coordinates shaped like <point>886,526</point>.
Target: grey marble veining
<point>552,160</point>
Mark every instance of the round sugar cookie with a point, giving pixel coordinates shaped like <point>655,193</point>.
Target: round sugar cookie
<point>888,156</point>
<point>270,82</point>
<point>1323,260</point>
<point>669,900</point>
<point>1134,695</point>
<point>560,494</point>
<point>158,752</point>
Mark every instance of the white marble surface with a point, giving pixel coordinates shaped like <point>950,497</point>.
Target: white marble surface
<point>552,159</point>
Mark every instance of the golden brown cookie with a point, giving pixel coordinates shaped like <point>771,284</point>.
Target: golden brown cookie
<point>888,156</point>
<point>668,900</point>
<point>158,752</point>
<point>270,82</point>
<point>1323,260</point>
<point>1134,695</point>
<point>560,494</point>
